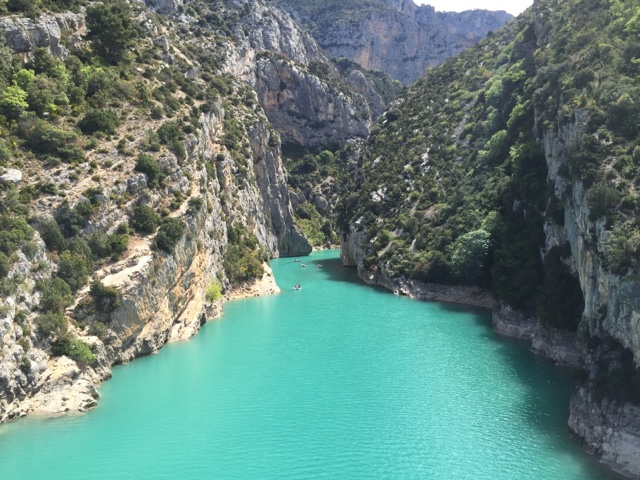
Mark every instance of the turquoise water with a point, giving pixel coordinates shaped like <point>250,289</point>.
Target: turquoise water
<point>337,380</point>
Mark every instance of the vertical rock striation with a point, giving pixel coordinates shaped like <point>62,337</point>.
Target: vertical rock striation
<point>395,36</point>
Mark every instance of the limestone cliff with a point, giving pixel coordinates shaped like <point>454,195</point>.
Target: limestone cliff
<point>397,37</point>
<point>215,184</point>
<point>56,32</point>
<point>303,94</point>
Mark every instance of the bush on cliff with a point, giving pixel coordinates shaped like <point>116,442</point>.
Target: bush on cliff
<point>214,291</point>
<point>144,219</point>
<point>100,120</point>
<point>169,234</point>
<point>73,348</point>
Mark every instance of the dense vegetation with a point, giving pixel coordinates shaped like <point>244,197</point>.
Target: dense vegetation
<point>455,182</point>
<point>319,174</point>
<point>67,123</point>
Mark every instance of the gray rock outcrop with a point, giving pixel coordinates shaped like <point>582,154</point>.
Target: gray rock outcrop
<point>608,429</point>
<point>301,91</point>
<point>396,36</point>
<point>12,176</point>
<point>25,34</point>
<point>165,6</point>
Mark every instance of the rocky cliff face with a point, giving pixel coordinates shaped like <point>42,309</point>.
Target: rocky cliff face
<point>161,295</point>
<point>25,34</point>
<point>303,94</point>
<point>396,37</point>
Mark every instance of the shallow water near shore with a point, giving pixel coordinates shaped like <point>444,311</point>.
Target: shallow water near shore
<point>337,380</point>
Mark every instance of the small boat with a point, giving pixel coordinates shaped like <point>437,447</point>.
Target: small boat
<point>303,265</point>
<point>297,287</point>
<point>296,261</point>
<point>319,265</point>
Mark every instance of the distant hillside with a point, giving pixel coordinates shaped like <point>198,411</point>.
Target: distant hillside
<point>394,36</point>
<point>515,166</point>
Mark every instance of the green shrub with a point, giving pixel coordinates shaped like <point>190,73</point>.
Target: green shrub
<point>111,29</point>
<point>30,249</point>
<point>103,245</point>
<point>169,234</point>
<point>73,269</point>
<point>194,205</point>
<point>170,132</point>
<point>52,237</point>
<point>56,296</point>
<point>14,231</point>
<point>100,244</point>
<point>470,257</point>
<point>106,121</point>
<point>5,265</point>
<point>119,244</point>
<point>74,348</point>
<point>144,219</point>
<point>107,299</point>
<point>52,324</point>
<point>48,140</point>
<point>214,291</point>
<point>602,200</point>
<point>72,220</point>
<point>149,166</point>
<point>13,102</point>
<point>98,329</point>
<point>28,7</point>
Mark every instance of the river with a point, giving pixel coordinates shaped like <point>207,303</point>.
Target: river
<point>337,380</point>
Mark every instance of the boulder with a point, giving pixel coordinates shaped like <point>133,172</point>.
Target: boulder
<point>11,176</point>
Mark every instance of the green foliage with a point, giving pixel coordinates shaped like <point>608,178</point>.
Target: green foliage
<point>56,296</point>
<point>111,29</point>
<point>72,220</point>
<point>28,7</point>
<point>243,258</point>
<point>602,200</point>
<point>311,223</point>
<point>169,234</point>
<point>73,348</point>
<point>150,167</point>
<point>144,219</point>
<point>5,265</point>
<point>470,257</point>
<point>623,248</point>
<point>170,132</point>
<point>459,153</point>
<point>52,324</point>
<point>53,237</point>
<point>46,139</point>
<point>14,232</point>
<point>73,268</point>
<point>106,299</point>
<point>214,291</point>
<point>100,120</point>
<point>13,102</point>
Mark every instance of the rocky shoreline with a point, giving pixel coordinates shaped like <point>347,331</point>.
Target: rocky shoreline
<point>68,388</point>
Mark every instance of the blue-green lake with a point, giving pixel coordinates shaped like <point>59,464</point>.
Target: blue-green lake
<point>337,381</point>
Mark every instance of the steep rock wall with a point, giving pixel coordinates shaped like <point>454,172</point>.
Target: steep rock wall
<point>397,37</point>
<point>25,34</point>
<point>301,91</point>
<point>162,295</point>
